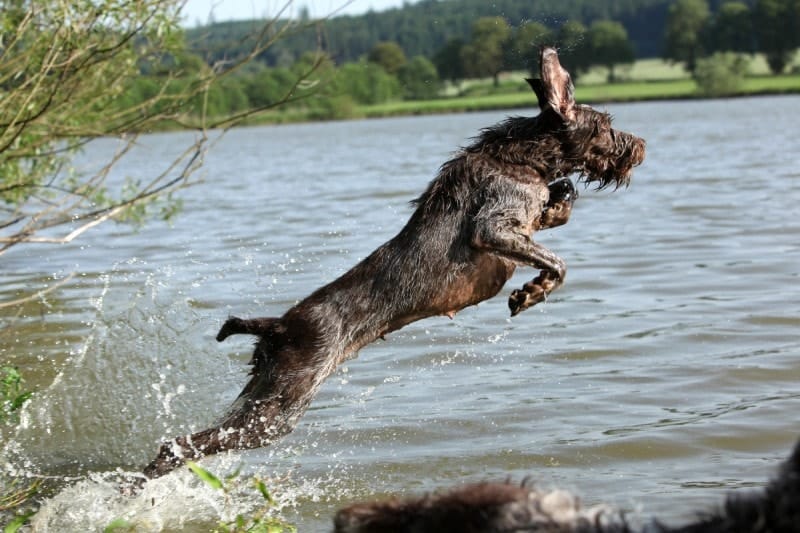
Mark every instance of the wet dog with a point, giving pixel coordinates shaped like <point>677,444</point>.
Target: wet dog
<point>470,229</point>
<point>507,508</point>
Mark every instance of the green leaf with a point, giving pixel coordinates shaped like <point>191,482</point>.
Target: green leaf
<point>17,402</point>
<point>18,522</point>
<point>210,479</point>
<point>11,376</point>
<point>118,523</point>
<point>264,492</point>
<point>235,474</point>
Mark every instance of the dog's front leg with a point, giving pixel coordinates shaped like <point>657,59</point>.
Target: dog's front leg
<point>556,213</point>
<point>522,249</point>
<point>501,227</point>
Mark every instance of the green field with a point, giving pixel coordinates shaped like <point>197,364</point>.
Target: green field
<point>593,93</point>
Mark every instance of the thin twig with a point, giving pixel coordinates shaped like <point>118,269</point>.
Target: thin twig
<point>39,294</point>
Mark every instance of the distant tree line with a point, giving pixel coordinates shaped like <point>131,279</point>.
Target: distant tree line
<point>423,28</point>
<point>494,46</point>
<point>693,30</point>
<point>385,73</point>
<point>408,53</point>
<point>655,28</point>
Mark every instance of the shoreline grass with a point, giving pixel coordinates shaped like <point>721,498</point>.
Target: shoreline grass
<point>595,93</point>
<point>631,91</point>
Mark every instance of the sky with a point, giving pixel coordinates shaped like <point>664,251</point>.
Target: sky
<point>223,10</point>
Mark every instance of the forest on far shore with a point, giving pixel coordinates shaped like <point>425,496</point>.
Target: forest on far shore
<point>413,52</point>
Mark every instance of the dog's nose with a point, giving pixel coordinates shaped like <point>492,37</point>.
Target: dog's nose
<point>562,190</point>
<point>642,150</point>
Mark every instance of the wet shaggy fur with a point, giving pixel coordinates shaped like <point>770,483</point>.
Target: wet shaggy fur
<point>469,231</point>
<point>507,508</point>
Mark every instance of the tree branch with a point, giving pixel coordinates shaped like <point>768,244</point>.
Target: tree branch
<point>38,294</point>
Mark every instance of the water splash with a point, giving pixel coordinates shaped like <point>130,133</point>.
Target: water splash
<point>179,501</point>
<point>144,371</point>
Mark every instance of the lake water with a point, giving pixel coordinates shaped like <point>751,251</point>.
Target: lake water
<point>665,372</point>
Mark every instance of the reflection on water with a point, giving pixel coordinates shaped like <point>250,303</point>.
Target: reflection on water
<point>664,371</point>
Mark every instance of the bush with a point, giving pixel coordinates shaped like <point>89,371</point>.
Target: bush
<point>721,74</point>
<point>366,83</point>
<point>269,85</point>
<point>419,79</point>
<point>333,108</point>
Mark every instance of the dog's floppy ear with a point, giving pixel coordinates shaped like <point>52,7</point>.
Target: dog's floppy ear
<point>538,88</point>
<point>556,85</point>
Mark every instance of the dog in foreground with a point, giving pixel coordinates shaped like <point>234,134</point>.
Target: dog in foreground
<point>507,508</point>
<point>471,228</point>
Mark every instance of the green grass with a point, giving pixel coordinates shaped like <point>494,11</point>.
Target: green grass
<point>679,88</point>
<point>659,70</point>
<point>772,84</point>
<point>449,105</point>
<point>641,70</point>
<point>636,90</point>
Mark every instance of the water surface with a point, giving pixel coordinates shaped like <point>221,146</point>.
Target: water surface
<point>664,373</point>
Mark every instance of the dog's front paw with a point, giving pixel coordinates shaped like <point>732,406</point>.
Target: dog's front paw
<point>521,299</point>
<point>559,207</point>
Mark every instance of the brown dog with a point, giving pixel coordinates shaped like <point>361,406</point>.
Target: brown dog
<point>507,508</point>
<point>470,230</point>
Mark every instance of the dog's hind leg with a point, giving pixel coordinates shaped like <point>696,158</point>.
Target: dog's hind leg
<point>268,408</point>
<point>291,361</point>
<point>254,424</point>
<point>253,326</point>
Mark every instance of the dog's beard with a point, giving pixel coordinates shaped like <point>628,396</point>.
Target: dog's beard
<point>606,177</point>
<point>604,170</point>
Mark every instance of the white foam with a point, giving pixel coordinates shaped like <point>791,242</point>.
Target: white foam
<point>179,501</point>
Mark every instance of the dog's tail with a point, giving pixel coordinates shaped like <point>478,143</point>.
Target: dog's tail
<point>261,327</point>
<point>265,329</point>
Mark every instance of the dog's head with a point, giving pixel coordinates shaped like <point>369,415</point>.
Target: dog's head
<point>601,154</point>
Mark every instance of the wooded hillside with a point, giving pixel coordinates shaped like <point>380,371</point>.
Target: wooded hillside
<point>425,27</point>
